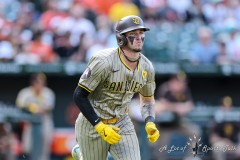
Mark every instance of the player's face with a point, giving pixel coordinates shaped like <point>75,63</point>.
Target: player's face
<point>38,85</point>
<point>135,40</point>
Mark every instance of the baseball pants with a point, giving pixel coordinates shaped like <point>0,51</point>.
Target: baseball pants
<point>94,147</point>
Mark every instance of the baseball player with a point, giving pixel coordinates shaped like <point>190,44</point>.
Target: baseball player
<point>105,90</point>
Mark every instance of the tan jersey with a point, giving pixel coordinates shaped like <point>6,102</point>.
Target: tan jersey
<point>112,83</point>
<point>44,101</point>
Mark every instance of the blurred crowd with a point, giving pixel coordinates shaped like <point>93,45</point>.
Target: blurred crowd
<point>195,31</point>
<point>50,31</point>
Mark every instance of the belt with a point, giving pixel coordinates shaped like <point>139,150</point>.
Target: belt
<point>110,121</point>
<point>113,120</point>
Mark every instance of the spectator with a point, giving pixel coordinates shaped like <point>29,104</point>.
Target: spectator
<point>62,46</point>
<point>226,131</point>
<point>102,36</point>
<point>25,57</point>
<point>22,28</point>
<point>223,56</point>
<point>181,7</point>
<point>233,45</point>
<point>205,50</point>
<point>77,24</point>
<point>39,100</point>
<point>43,50</point>
<point>7,51</point>
<point>166,13</point>
<point>52,16</point>
<point>173,99</point>
<point>149,9</point>
<point>195,12</point>
<point>81,49</point>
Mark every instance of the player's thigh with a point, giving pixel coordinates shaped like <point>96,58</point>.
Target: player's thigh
<point>91,144</point>
<point>92,149</point>
<point>127,148</point>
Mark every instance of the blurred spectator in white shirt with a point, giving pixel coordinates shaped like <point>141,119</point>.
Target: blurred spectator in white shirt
<point>7,51</point>
<point>181,6</point>
<point>77,23</point>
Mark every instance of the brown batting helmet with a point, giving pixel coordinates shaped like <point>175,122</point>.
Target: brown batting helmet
<point>127,24</point>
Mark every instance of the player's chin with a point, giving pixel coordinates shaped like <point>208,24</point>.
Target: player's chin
<point>137,49</point>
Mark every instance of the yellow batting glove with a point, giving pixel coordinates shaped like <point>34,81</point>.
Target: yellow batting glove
<point>108,133</point>
<point>152,131</point>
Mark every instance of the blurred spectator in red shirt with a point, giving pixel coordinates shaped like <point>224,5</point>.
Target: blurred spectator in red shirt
<point>97,5</point>
<point>52,17</point>
<point>41,49</point>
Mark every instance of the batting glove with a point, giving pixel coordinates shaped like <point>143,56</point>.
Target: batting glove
<point>152,131</point>
<point>108,133</point>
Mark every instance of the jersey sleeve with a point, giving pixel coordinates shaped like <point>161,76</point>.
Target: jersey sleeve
<point>149,88</point>
<point>21,100</point>
<point>93,74</point>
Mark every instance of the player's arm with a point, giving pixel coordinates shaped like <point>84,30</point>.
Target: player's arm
<point>80,97</point>
<point>148,114</point>
<point>147,104</point>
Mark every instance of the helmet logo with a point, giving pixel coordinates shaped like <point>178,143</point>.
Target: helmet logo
<point>136,20</point>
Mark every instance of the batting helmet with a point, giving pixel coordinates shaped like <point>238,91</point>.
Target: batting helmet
<point>127,24</point>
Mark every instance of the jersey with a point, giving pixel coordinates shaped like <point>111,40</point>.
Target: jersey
<point>45,99</point>
<point>112,83</point>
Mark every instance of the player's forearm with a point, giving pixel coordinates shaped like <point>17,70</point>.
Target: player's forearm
<point>81,100</point>
<point>147,109</point>
<point>148,113</point>
<point>149,116</point>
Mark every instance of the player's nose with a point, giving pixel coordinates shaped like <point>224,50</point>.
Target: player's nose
<point>138,36</point>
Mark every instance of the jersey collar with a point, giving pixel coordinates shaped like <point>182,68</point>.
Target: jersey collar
<point>120,57</point>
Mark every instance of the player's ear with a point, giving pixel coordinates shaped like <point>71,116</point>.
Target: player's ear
<point>121,39</point>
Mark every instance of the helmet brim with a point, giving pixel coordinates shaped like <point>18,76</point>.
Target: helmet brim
<point>134,28</point>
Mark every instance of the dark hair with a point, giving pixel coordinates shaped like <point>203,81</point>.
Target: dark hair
<point>181,76</point>
<point>38,77</point>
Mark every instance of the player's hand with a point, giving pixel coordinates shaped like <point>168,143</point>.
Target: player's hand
<point>152,131</point>
<point>108,133</point>
<point>33,108</point>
